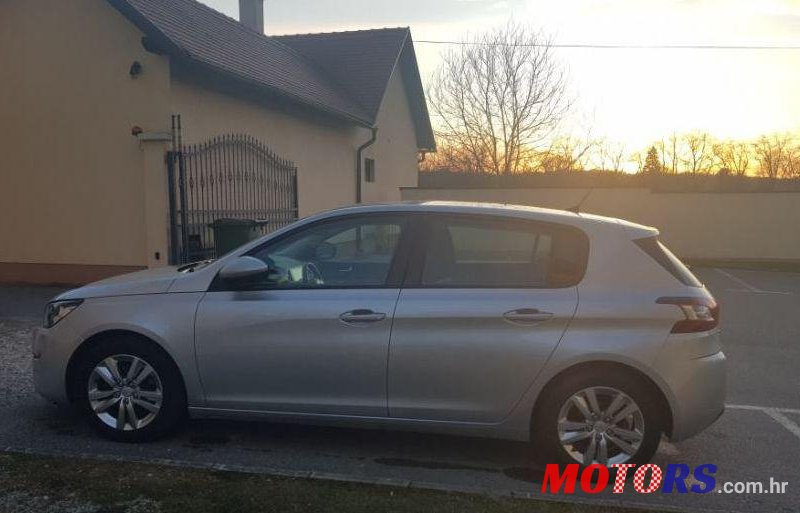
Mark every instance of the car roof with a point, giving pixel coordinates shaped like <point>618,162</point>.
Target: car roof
<point>456,207</point>
<point>499,209</point>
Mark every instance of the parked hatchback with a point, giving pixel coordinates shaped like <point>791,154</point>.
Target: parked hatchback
<point>580,333</point>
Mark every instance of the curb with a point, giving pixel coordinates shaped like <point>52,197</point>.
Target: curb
<point>372,481</point>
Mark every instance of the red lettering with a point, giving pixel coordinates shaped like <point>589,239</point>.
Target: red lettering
<point>553,475</point>
<point>586,478</point>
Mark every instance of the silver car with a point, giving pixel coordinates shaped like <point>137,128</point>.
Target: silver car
<point>580,333</point>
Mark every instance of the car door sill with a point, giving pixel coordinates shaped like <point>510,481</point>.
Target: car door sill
<point>205,412</point>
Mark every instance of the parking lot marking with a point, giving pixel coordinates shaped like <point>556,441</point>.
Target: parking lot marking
<point>760,292</point>
<point>776,414</point>
<point>738,280</point>
<point>784,421</point>
<point>747,286</point>
<point>761,408</point>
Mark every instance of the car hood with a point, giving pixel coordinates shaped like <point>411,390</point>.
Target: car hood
<point>151,281</point>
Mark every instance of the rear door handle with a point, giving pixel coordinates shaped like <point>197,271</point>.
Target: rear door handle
<point>362,315</point>
<point>527,316</point>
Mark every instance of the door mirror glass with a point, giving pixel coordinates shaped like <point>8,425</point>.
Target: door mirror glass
<point>243,267</point>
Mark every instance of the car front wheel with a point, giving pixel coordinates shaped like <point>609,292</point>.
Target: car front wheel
<point>130,391</point>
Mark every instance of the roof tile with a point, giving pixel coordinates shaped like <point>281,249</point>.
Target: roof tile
<point>214,39</point>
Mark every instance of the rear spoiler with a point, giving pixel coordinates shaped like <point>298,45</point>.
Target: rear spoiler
<point>638,231</point>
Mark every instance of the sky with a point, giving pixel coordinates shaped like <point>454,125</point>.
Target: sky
<point>632,96</point>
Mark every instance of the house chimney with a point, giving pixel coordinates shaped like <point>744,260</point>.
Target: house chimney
<point>251,14</point>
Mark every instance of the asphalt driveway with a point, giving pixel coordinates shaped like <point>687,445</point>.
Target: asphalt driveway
<point>758,438</point>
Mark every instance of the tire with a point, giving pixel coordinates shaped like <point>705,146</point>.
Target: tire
<point>564,404</point>
<point>145,380</point>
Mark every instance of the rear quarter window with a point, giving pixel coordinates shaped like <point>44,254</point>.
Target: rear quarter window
<point>664,257</point>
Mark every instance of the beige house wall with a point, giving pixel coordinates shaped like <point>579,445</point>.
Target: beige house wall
<point>72,181</point>
<point>82,198</point>
<point>395,149</point>
<point>323,153</point>
<point>701,226</point>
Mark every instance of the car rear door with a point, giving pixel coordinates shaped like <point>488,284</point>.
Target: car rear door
<point>485,303</point>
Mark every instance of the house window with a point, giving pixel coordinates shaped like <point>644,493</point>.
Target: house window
<point>369,170</point>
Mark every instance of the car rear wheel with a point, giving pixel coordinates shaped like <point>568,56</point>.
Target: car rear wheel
<point>598,417</point>
<point>130,391</point>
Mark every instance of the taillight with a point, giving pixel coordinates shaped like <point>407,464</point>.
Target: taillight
<point>701,314</point>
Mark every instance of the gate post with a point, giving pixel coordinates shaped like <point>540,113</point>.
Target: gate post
<point>173,215</point>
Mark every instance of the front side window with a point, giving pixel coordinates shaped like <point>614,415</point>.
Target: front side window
<point>347,253</point>
<point>501,253</point>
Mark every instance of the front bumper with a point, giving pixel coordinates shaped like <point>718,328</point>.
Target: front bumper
<point>697,384</point>
<point>50,365</point>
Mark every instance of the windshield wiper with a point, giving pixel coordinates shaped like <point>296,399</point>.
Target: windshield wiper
<point>189,268</point>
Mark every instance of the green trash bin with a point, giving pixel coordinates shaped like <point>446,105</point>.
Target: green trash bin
<point>229,234</point>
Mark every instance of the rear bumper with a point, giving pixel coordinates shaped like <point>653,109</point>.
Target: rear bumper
<point>697,384</point>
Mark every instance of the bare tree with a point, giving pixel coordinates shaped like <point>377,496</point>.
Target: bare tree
<point>733,156</point>
<point>567,153</point>
<point>697,152</point>
<point>791,167</point>
<point>449,157</point>
<point>778,156</point>
<point>498,97</point>
<point>638,158</point>
<point>770,152</point>
<point>670,153</point>
<point>611,155</point>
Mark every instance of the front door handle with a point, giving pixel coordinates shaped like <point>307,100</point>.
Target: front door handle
<point>362,315</point>
<point>527,316</point>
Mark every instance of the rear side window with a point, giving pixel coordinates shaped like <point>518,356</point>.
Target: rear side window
<point>664,257</point>
<point>465,252</point>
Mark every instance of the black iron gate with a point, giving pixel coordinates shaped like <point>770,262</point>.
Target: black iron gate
<point>227,177</point>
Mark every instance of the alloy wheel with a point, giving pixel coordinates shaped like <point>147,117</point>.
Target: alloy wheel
<point>601,425</point>
<point>125,392</point>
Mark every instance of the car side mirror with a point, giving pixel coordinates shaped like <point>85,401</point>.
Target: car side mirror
<point>243,267</point>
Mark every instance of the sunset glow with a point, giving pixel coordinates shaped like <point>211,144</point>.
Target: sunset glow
<point>634,96</point>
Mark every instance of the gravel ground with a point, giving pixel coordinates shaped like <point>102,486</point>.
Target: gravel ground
<point>16,381</point>
<point>23,502</point>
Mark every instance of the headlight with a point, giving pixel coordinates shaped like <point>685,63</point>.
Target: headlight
<point>57,310</point>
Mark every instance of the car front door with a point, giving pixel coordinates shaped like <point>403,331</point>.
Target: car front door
<point>311,335</point>
<point>485,303</point>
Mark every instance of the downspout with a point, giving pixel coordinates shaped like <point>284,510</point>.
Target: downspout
<point>359,161</point>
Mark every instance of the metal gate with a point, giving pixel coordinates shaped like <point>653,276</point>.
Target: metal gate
<point>226,177</point>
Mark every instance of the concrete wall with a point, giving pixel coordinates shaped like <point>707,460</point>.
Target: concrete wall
<point>72,180</point>
<point>700,226</point>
